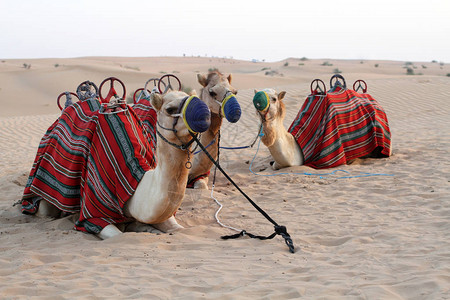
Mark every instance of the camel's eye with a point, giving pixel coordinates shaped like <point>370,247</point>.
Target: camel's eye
<point>212,93</point>
<point>274,99</point>
<point>171,110</point>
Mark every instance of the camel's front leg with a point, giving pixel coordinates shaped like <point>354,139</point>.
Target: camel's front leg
<point>109,231</point>
<point>201,184</point>
<point>276,166</point>
<point>142,227</point>
<point>169,225</point>
<point>46,209</point>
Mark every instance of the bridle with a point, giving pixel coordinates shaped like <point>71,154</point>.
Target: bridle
<point>228,94</point>
<point>182,146</point>
<point>265,111</point>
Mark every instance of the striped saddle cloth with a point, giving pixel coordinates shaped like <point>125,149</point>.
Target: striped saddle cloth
<point>77,167</point>
<point>340,126</point>
<point>147,115</point>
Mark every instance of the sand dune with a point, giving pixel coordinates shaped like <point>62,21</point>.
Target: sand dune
<point>363,237</point>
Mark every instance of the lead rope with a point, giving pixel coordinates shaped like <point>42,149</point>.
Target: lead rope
<point>278,229</point>
<point>216,215</point>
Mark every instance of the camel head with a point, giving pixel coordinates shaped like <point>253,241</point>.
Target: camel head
<point>179,115</point>
<point>219,95</point>
<point>271,109</point>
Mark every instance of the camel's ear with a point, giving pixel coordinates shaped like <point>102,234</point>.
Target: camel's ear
<point>281,95</point>
<point>255,91</point>
<point>156,100</point>
<point>202,80</point>
<point>192,93</point>
<point>229,79</point>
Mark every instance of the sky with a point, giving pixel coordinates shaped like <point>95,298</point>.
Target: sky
<point>273,30</point>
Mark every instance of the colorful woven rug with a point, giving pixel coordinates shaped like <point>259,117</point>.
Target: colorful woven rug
<point>147,115</point>
<point>91,163</point>
<point>336,128</point>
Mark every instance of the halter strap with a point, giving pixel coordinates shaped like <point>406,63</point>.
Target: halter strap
<point>176,116</point>
<point>226,97</point>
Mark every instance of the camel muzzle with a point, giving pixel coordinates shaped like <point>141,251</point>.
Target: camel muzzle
<point>261,101</point>
<point>231,109</point>
<point>196,115</point>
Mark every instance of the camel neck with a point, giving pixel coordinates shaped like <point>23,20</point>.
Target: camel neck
<point>283,147</point>
<point>172,162</point>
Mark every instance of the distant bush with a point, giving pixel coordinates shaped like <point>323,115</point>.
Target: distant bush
<point>132,68</point>
<point>424,67</point>
<point>186,89</point>
<point>27,66</point>
<point>301,64</point>
<point>326,63</point>
<point>376,65</point>
<point>213,69</point>
<point>409,71</point>
<point>337,71</point>
<point>303,59</point>
<point>263,69</point>
<point>448,74</point>
<point>56,65</point>
<point>286,64</point>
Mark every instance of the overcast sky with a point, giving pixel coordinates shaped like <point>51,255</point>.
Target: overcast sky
<point>407,30</point>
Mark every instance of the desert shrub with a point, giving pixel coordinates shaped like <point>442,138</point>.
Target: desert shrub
<point>448,74</point>
<point>186,89</point>
<point>337,71</point>
<point>286,64</point>
<point>213,69</point>
<point>132,68</point>
<point>326,63</point>
<point>409,71</point>
<point>376,65</point>
<point>56,65</point>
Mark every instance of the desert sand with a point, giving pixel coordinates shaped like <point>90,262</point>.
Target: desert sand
<point>384,236</point>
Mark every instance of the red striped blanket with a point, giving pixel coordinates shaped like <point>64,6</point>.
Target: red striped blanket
<point>89,162</point>
<point>343,125</point>
<point>147,115</point>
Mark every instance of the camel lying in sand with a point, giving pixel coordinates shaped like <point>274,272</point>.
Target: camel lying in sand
<point>314,135</point>
<point>160,190</point>
<point>219,95</point>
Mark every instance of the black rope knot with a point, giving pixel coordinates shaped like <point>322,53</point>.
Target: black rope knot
<point>281,230</point>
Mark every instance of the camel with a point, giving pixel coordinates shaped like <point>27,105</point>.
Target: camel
<point>282,144</point>
<point>215,89</point>
<point>161,190</point>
